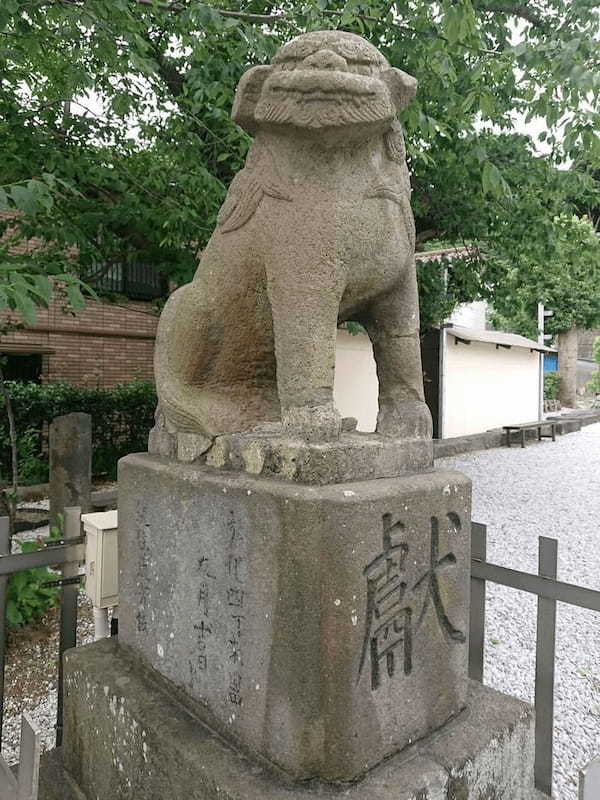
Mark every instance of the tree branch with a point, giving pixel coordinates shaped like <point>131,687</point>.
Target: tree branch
<point>515,11</point>
<point>43,107</point>
<point>282,18</point>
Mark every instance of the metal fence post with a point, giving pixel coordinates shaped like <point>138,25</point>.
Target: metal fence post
<point>544,669</point>
<point>477,616</point>
<point>4,550</point>
<point>68,612</point>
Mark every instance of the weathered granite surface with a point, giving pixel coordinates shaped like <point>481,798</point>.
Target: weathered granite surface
<point>353,457</point>
<point>323,628</point>
<point>316,229</point>
<point>127,737</point>
<point>70,454</point>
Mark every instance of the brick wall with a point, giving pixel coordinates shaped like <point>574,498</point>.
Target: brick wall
<point>103,345</point>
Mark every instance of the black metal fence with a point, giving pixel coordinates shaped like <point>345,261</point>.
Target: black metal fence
<point>66,553</point>
<point>549,591</point>
<point>135,281</point>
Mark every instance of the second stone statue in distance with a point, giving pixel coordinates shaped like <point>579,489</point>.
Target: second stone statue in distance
<point>316,229</point>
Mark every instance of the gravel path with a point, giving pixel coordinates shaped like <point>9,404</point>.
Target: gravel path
<point>549,489</point>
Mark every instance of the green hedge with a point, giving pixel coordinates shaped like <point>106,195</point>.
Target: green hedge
<point>121,420</point>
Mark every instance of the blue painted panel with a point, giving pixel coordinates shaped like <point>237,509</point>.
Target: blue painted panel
<point>550,362</point>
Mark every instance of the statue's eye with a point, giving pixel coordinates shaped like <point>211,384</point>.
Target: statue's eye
<point>289,64</point>
<point>362,69</point>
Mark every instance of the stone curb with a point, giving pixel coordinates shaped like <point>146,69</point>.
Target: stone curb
<point>568,423</point>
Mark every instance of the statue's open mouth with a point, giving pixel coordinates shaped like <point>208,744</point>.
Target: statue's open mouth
<point>323,84</point>
<point>318,95</point>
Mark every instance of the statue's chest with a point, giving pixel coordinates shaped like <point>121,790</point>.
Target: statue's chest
<point>359,241</point>
<point>364,233</point>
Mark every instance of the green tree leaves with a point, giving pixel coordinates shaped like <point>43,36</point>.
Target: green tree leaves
<point>139,167</point>
<point>565,276</point>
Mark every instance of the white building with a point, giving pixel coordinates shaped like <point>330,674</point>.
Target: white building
<point>475,379</point>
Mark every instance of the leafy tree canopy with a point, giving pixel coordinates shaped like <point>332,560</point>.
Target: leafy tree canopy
<point>144,177</point>
<point>565,277</point>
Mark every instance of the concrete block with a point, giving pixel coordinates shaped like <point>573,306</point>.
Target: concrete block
<point>322,628</point>
<point>127,736</point>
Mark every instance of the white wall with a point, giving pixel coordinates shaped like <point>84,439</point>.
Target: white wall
<point>356,387</point>
<point>487,387</point>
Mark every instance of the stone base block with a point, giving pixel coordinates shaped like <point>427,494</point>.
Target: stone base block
<point>127,737</point>
<point>354,457</point>
<point>323,628</point>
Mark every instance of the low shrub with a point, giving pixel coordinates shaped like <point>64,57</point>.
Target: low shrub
<point>551,385</point>
<point>121,420</point>
<point>27,598</point>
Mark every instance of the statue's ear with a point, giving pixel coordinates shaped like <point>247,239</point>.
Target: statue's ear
<point>402,86</point>
<point>247,95</point>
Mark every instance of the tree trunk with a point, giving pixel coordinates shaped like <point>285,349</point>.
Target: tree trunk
<point>567,367</point>
<point>10,496</point>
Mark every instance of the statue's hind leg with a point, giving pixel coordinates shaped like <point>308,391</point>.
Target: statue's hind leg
<point>215,374</point>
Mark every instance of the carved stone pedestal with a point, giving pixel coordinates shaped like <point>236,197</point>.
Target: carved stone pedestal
<point>322,628</point>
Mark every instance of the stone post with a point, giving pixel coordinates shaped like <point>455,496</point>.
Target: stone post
<point>70,446</point>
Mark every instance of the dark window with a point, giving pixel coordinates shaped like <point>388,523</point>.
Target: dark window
<point>23,368</point>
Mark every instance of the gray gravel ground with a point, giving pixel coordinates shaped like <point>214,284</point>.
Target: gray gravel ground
<point>549,489</point>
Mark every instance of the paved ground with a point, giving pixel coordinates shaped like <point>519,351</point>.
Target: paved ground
<point>549,489</point>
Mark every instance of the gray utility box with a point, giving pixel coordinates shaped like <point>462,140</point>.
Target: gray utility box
<point>102,558</point>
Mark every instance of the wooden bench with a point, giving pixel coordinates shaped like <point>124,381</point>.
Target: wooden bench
<point>524,426</point>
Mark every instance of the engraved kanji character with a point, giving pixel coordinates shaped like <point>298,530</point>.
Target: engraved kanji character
<point>430,581</point>
<point>235,687</point>
<point>203,630</point>
<point>235,597</point>
<point>389,618</point>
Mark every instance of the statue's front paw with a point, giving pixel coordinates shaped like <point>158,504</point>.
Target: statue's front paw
<point>320,423</point>
<point>408,420</point>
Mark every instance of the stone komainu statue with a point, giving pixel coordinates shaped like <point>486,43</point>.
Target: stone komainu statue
<point>316,229</point>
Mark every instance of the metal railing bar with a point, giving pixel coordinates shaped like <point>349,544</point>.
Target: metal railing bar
<point>535,584</point>
<point>544,669</point>
<point>4,548</point>
<point>46,557</point>
<point>477,618</point>
<point>68,612</point>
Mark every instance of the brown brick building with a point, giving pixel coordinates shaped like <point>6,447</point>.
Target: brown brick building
<point>105,344</point>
